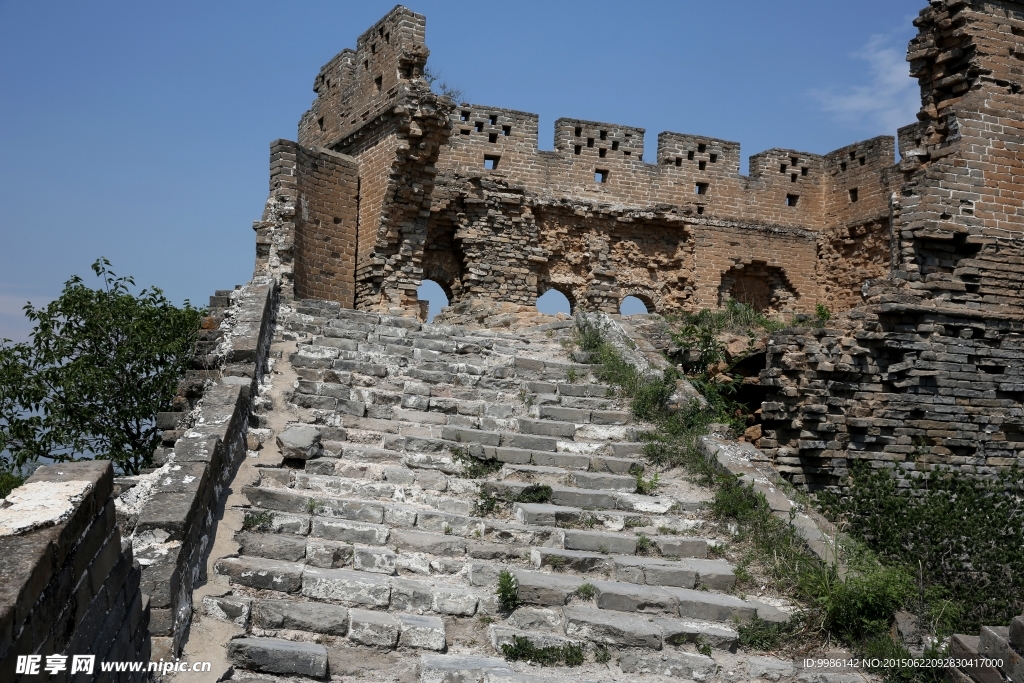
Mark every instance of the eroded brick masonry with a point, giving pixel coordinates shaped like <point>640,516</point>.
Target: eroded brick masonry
<point>391,184</point>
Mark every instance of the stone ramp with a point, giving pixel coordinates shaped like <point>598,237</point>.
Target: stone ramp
<point>411,460</point>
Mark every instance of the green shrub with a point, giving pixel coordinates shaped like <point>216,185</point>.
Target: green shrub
<point>521,649</point>
<point>602,655</point>
<point>257,521</point>
<point>508,591</point>
<point>647,486</point>
<point>643,544</point>
<point>758,634</point>
<point>9,481</point>
<point>534,493</point>
<point>475,468</point>
<point>586,591</point>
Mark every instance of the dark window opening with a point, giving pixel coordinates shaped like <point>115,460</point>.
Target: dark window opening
<point>803,170</point>
<point>602,152</point>
<point>465,116</point>
<point>714,158</point>
<point>604,135</point>
<point>701,147</point>
<point>366,65</point>
<point>479,126</point>
<point>493,137</point>
<point>494,120</point>
<point>700,210</point>
<point>782,168</point>
<point>387,37</point>
<point>679,161</point>
<point>701,188</point>
<point>320,123</point>
<point>861,161</point>
<point>373,48</point>
<point>626,153</point>
<point>379,81</point>
<point>506,130</point>
<point>689,155</point>
<point>615,145</point>
<point>579,131</point>
<point>590,142</point>
<point>380,32</point>
<point>577,149</point>
<point>792,178</point>
<point>702,165</point>
<point>853,194</point>
<point>792,199</point>
<point>853,154</point>
<point>917,142</point>
<point>842,166</point>
<point>600,176</point>
<point>491,162</point>
<point>629,135</point>
<point>794,161</point>
<point>464,131</point>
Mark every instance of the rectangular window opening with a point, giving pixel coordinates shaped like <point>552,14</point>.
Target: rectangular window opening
<point>602,152</point>
<point>626,153</point>
<point>506,130</point>
<point>842,166</point>
<point>792,199</point>
<point>387,37</point>
<point>464,131</point>
<point>590,142</point>
<point>853,194</point>
<point>853,154</point>
<point>615,145</point>
<point>373,48</point>
<point>700,210</point>
<point>491,162</point>
<point>793,161</point>
<point>577,149</point>
<point>803,170</point>
<point>366,65</point>
<point>861,161</point>
<point>479,126</point>
<point>917,142</point>
<point>465,116</point>
<point>600,176</point>
<point>701,147</point>
<point>679,161</point>
<point>379,81</point>
<point>689,155</point>
<point>782,168</point>
<point>604,135</point>
<point>493,137</point>
<point>792,178</point>
<point>702,165</point>
<point>579,131</point>
<point>494,120</point>
<point>714,158</point>
<point>701,188</point>
<point>320,123</point>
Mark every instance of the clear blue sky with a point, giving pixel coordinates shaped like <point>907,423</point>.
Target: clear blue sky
<point>140,131</point>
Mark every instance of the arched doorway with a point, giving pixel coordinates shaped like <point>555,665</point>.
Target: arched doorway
<point>633,305</point>
<point>553,302</point>
<point>435,295</point>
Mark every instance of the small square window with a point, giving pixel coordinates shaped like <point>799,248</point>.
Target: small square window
<point>853,194</point>
<point>701,147</point>
<point>689,155</point>
<point>702,165</point>
<point>701,188</point>
<point>579,131</point>
<point>842,166</point>
<point>700,210</point>
<point>792,178</point>
<point>714,158</point>
<point>600,176</point>
<point>794,161</point>
<point>604,135</point>
<point>792,199</point>
<point>853,154</point>
<point>506,130</point>
<point>861,160</point>
<point>615,145</point>
<point>590,142</point>
<point>626,153</point>
<point>493,137</point>
<point>479,126</point>
<point>465,116</point>
<point>602,152</point>
<point>491,162</point>
<point>464,131</point>
<point>803,170</point>
<point>782,168</point>
<point>577,149</point>
<point>493,119</point>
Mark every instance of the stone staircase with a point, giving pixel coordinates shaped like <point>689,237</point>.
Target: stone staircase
<point>426,460</point>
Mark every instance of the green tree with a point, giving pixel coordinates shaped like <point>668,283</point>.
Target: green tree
<point>99,365</point>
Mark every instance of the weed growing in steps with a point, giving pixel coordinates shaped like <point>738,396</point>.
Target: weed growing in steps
<point>534,493</point>
<point>508,591</point>
<point>586,591</point>
<point>476,468</point>
<point>521,649</point>
<point>647,487</point>
<point>257,521</point>
<point>602,655</point>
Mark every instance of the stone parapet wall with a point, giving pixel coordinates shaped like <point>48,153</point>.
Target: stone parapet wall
<point>172,513</point>
<point>69,586</point>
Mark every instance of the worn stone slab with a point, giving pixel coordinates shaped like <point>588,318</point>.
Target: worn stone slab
<point>576,560</point>
<point>711,606</point>
<point>681,546</point>
<point>273,655</point>
<point>422,632</point>
<point>679,665</point>
<point>596,541</point>
<point>349,532</point>
<point>536,588</point>
<point>627,597</point>
<point>460,668</point>
<point>679,631</point>
<point>257,572</point>
<point>376,629</point>
<point>655,572</point>
<point>374,559</point>
<point>617,629</point>
<point>315,617</point>
<point>346,586</point>
<point>272,546</point>
<point>434,544</point>
<point>299,441</point>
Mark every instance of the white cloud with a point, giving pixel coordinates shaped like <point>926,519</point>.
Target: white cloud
<point>891,98</point>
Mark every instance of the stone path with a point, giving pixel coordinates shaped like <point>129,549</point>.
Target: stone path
<point>363,550</point>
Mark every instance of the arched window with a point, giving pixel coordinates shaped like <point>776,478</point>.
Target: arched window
<point>631,305</point>
<point>553,302</point>
<point>432,292</point>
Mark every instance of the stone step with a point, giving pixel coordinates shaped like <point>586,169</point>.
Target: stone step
<point>545,514</point>
<point>355,588</point>
<point>620,629</point>
<point>277,656</point>
<point>591,499</point>
<point>556,476</point>
<point>464,669</point>
<point>651,571</point>
<point>376,629</point>
<point>562,413</point>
